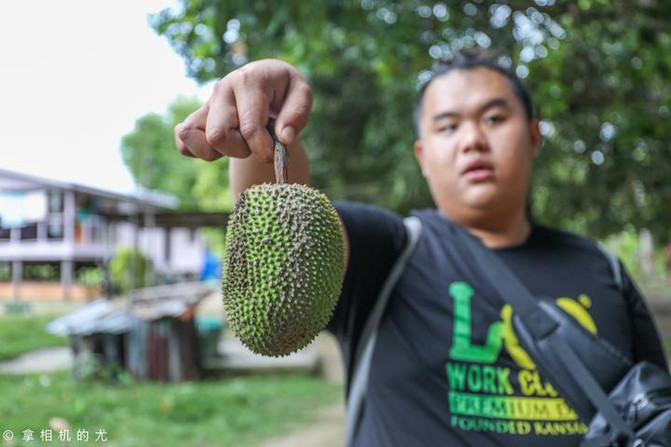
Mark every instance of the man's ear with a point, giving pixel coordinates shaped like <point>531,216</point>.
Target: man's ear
<point>419,155</point>
<point>536,137</point>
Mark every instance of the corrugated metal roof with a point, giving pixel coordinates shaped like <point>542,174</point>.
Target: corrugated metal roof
<point>117,322</point>
<point>115,317</point>
<point>81,317</point>
<point>19,181</point>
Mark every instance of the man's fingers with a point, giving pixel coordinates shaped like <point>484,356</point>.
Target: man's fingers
<point>181,147</point>
<point>295,111</point>
<point>222,123</point>
<point>190,137</point>
<point>253,128</point>
<point>234,120</point>
<point>195,144</point>
<point>253,108</point>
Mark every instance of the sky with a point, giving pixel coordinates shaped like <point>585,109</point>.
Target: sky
<point>74,77</point>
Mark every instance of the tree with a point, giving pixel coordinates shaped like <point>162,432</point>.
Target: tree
<point>130,269</point>
<point>599,71</point>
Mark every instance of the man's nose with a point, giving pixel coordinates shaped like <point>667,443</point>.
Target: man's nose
<point>473,137</point>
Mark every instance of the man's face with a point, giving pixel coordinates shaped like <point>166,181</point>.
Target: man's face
<point>476,145</point>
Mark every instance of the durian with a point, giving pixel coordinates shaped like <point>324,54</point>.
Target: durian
<point>283,267</point>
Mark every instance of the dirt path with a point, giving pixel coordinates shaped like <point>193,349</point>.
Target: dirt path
<point>327,431</point>
<point>39,361</point>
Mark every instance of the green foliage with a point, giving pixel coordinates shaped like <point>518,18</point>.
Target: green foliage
<point>210,190</point>
<point>233,412</point>
<point>625,246</point>
<point>5,271</point>
<point>20,334</point>
<point>149,153</point>
<point>93,368</point>
<point>130,269</point>
<point>610,76</point>
<point>90,276</point>
<point>599,72</point>
<point>40,272</point>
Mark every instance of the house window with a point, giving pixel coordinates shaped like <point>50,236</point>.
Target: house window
<point>29,232</point>
<point>4,234</point>
<point>55,201</point>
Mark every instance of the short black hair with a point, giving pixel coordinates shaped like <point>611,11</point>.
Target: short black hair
<point>470,60</point>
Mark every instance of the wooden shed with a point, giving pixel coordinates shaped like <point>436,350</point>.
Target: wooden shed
<point>151,335</point>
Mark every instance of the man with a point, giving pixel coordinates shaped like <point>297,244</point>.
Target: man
<point>447,368</point>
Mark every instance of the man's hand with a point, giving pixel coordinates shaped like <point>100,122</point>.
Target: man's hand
<point>233,121</point>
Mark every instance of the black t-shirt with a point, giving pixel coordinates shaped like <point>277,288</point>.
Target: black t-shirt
<point>447,369</point>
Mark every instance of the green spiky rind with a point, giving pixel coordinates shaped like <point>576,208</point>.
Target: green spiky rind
<point>283,267</point>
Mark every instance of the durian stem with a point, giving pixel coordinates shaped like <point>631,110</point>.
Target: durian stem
<point>281,169</point>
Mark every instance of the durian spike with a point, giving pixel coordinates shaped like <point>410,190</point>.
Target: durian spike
<point>281,170</point>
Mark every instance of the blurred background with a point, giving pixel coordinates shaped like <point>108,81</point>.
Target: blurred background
<point>110,241</point>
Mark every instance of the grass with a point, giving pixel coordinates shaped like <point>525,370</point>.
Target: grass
<point>228,412</point>
<point>23,333</point>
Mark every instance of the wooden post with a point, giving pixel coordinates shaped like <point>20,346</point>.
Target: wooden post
<point>69,217</point>
<point>17,273</point>
<point>66,278</point>
<point>42,231</point>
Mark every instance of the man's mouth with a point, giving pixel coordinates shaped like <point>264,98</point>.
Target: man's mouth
<point>478,171</point>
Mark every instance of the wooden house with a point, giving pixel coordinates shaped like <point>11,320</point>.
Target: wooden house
<point>68,227</point>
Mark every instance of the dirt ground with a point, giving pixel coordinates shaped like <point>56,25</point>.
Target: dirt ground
<point>328,430</point>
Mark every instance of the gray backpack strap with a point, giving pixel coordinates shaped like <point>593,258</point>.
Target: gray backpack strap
<point>364,352</point>
<point>614,265</point>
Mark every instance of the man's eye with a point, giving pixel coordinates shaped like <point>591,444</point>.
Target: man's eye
<point>447,128</point>
<point>494,119</point>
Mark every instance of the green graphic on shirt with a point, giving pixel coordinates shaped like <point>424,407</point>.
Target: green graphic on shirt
<point>485,397</point>
<point>509,407</point>
<point>476,378</point>
<point>462,349</point>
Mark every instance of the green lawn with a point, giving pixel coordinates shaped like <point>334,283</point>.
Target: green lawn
<point>227,412</point>
<point>22,333</point>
